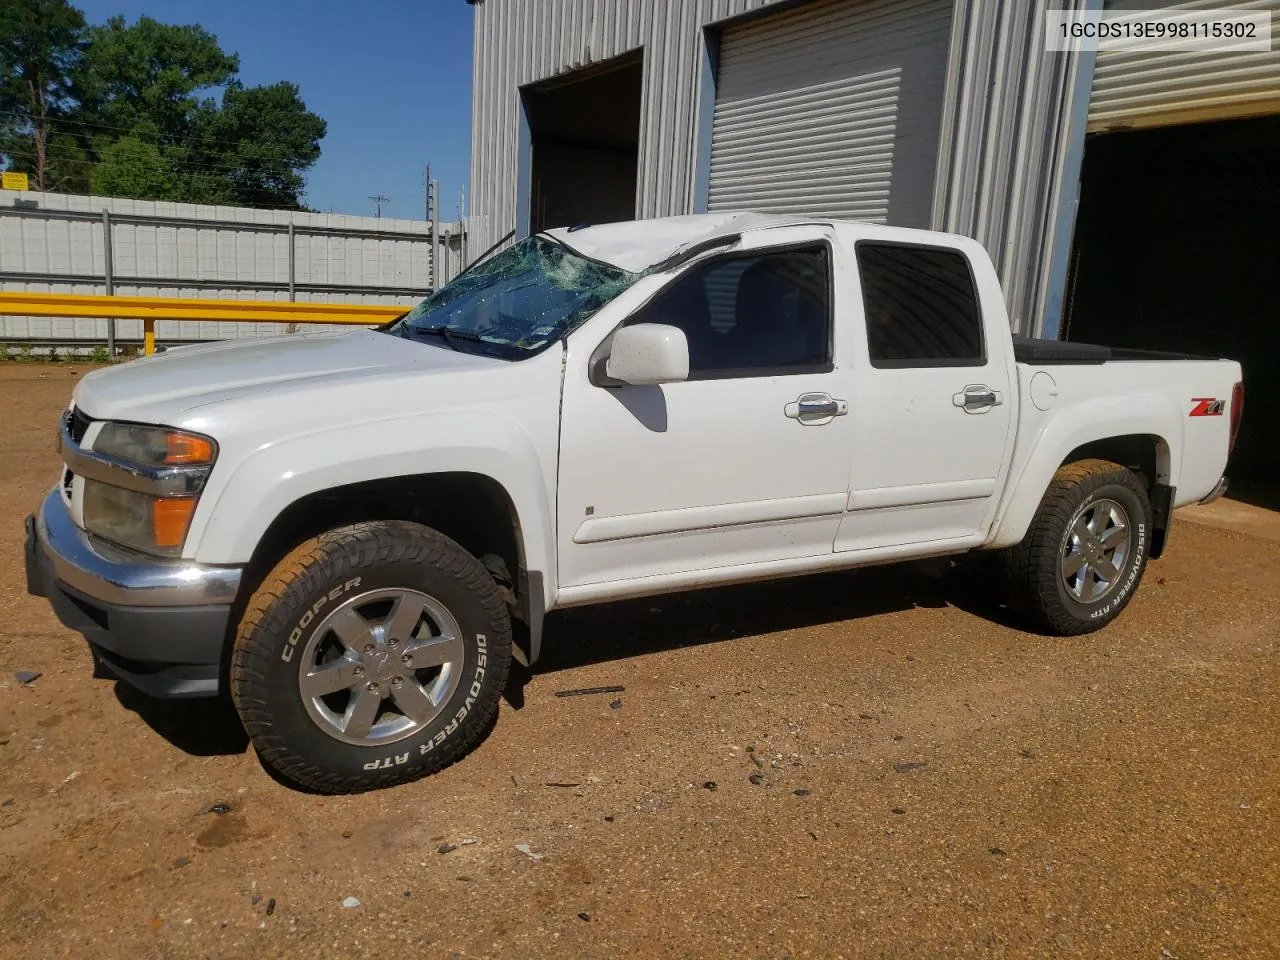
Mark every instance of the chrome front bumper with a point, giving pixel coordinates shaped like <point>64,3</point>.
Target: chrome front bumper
<point>161,625</point>
<point>115,575</point>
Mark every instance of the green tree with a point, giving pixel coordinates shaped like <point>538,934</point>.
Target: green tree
<point>68,166</point>
<point>156,83</point>
<point>134,168</point>
<point>254,148</point>
<point>40,45</point>
<point>149,78</point>
<point>148,110</point>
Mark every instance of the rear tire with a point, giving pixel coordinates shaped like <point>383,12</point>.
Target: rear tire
<point>1085,552</point>
<point>370,656</point>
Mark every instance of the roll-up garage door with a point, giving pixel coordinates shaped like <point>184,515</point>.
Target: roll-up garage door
<point>832,108</point>
<point>1158,89</point>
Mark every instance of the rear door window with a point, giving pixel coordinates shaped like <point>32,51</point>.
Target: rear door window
<point>921,306</point>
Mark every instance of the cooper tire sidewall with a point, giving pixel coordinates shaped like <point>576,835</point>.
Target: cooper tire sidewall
<point>291,631</point>
<point>1108,607</point>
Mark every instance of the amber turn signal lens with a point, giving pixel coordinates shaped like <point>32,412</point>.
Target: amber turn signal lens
<point>170,519</point>
<point>185,448</point>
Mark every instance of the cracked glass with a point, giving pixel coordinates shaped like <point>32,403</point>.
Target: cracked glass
<point>518,302</point>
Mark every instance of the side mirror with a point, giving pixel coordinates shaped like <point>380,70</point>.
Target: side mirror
<point>649,353</point>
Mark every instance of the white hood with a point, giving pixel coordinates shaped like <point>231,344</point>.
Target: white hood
<point>636,245</point>
<point>163,387</point>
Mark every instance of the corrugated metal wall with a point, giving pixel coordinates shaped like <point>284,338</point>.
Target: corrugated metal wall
<point>1006,154</point>
<point>55,243</point>
<point>518,42</point>
<point>1154,89</point>
<point>1005,158</point>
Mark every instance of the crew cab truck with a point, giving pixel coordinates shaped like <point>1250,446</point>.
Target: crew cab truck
<point>347,531</point>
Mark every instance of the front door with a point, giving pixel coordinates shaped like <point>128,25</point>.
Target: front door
<point>746,461</point>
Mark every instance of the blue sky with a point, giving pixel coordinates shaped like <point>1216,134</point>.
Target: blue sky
<point>391,77</point>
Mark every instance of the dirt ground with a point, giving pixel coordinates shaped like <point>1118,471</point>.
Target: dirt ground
<point>931,781</point>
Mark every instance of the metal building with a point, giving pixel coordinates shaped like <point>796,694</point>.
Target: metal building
<point>1091,179</point>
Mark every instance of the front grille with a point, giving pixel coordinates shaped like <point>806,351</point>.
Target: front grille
<point>77,423</point>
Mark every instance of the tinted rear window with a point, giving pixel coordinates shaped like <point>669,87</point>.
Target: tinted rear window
<point>921,306</point>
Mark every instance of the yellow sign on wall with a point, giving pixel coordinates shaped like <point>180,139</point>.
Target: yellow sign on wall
<point>14,181</point>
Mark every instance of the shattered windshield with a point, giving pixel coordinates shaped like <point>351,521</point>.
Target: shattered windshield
<point>516,303</point>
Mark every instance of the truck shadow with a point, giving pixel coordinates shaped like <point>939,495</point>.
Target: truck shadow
<point>616,631</point>
<point>200,727</point>
<point>632,628</point>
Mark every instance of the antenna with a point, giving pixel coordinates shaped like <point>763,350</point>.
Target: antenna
<point>379,199</point>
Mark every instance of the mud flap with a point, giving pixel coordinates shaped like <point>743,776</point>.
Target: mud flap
<point>1161,517</point>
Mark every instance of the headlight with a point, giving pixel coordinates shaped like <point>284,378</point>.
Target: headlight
<point>139,520</point>
<point>152,510</point>
<point>154,446</point>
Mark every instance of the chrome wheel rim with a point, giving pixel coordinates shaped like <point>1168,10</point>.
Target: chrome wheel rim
<point>1096,550</point>
<point>380,666</point>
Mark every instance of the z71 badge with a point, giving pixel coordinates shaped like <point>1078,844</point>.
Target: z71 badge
<point>1207,407</point>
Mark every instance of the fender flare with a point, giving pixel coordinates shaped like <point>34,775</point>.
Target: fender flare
<point>266,483</point>
<point>1146,414</point>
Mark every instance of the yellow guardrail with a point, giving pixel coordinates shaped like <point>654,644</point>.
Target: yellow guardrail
<point>151,309</point>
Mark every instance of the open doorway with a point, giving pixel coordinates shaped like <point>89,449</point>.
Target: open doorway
<point>585,137</point>
<point>1176,249</point>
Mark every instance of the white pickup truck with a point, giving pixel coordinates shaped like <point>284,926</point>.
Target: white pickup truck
<point>347,531</point>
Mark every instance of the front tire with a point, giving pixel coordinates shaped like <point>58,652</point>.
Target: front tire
<point>1084,554</point>
<point>370,656</point>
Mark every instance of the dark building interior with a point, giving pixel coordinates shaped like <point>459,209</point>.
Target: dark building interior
<point>1178,248</point>
<point>585,133</point>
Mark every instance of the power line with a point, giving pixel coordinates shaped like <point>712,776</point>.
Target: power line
<point>175,163</point>
<point>379,199</point>
<point>178,170</point>
<point>236,202</point>
<point>178,160</point>
<point>177,166</point>
<point>161,142</point>
<point>55,121</point>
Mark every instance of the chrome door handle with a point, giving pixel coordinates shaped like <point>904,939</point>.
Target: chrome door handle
<point>815,409</point>
<point>977,398</point>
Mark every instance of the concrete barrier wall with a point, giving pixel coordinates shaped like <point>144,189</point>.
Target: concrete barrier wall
<point>58,243</point>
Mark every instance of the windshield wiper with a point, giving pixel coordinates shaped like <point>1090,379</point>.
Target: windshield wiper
<point>465,335</point>
<point>409,331</point>
<point>449,335</point>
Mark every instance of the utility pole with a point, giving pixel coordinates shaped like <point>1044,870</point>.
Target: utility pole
<point>379,199</point>
<point>437,272</point>
<point>108,279</point>
<point>430,214</point>
<point>462,228</point>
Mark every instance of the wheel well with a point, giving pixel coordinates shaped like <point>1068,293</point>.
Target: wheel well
<point>469,508</point>
<point>1148,457</point>
<point>1145,455</point>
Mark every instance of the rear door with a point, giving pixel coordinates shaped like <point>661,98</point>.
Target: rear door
<point>933,406</point>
